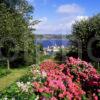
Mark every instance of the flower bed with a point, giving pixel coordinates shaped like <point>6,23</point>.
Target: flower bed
<point>75,80</point>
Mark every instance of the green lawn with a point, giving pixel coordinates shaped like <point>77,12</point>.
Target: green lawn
<point>12,77</point>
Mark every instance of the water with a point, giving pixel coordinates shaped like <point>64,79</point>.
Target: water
<point>53,42</point>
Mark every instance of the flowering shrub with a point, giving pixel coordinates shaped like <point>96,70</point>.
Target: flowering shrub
<point>69,81</point>
<point>48,65</point>
<point>24,87</point>
<point>74,80</point>
<point>86,75</point>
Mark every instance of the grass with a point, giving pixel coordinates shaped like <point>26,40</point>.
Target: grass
<point>4,72</point>
<point>12,77</point>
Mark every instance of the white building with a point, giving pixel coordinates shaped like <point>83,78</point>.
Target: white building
<point>52,49</point>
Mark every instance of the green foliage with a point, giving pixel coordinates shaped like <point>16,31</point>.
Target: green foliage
<point>84,97</point>
<point>70,37</point>
<point>16,38</point>
<point>20,6</point>
<point>17,94</point>
<point>62,55</point>
<point>84,32</point>
<point>47,95</point>
<point>40,47</point>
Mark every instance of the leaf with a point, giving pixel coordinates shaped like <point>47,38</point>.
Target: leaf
<point>47,95</point>
<point>32,97</point>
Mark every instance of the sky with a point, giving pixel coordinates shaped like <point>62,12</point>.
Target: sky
<point>58,16</point>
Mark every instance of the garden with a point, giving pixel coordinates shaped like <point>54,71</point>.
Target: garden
<point>29,72</point>
<point>74,80</point>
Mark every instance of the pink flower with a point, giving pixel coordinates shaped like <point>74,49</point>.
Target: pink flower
<point>95,97</point>
<point>53,98</point>
<point>36,84</point>
<point>68,80</point>
<point>40,90</point>
<point>98,90</point>
<point>61,95</point>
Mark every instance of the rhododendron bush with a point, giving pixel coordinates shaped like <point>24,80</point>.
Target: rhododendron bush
<point>70,81</point>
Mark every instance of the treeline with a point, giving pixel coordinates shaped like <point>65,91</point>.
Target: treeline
<point>16,37</point>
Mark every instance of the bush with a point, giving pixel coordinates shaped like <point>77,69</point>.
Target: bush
<point>71,81</point>
<point>61,55</point>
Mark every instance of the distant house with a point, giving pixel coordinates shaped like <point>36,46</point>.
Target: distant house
<point>52,49</point>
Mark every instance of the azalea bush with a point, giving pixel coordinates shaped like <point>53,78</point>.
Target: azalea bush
<point>85,75</point>
<point>74,80</point>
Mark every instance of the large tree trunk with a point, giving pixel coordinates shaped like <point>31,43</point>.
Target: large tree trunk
<point>8,64</point>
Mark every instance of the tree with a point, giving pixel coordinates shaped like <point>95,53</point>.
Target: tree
<point>20,6</point>
<point>85,30</point>
<point>15,34</point>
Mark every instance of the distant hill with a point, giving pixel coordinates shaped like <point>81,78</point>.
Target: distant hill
<point>49,36</point>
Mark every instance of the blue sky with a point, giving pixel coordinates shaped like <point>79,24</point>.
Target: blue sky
<point>57,16</point>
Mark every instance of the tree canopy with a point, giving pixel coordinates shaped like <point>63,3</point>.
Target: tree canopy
<point>15,35</point>
<point>87,32</point>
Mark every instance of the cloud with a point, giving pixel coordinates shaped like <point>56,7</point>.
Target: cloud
<point>42,24</point>
<point>61,26</point>
<point>70,9</point>
<point>78,18</point>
